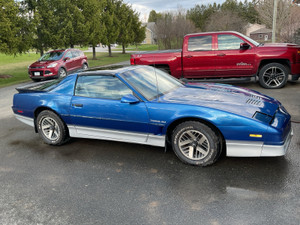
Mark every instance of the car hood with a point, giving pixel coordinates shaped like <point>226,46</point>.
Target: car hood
<point>41,63</point>
<point>237,100</point>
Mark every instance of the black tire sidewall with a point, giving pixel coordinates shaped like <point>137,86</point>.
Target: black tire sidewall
<point>213,140</point>
<point>63,133</point>
<point>266,67</point>
<point>60,69</point>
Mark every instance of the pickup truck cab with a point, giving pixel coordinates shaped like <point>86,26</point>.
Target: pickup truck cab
<point>227,55</point>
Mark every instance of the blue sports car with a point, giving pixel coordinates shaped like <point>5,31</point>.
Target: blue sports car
<point>144,105</point>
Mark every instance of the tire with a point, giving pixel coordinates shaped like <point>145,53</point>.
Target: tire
<point>62,73</point>
<point>196,144</point>
<point>84,66</point>
<point>51,128</point>
<point>273,76</point>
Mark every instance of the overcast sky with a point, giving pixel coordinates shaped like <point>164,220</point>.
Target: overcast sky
<point>145,6</point>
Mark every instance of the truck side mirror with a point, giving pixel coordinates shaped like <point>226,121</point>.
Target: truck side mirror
<point>244,46</point>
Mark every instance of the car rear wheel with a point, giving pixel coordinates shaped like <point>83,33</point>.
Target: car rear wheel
<point>273,75</point>
<point>195,143</point>
<point>51,128</point>
<point>84,66</point>
<point>62,73</point>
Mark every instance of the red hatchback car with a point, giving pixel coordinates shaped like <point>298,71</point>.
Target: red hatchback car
<point>57,63</point>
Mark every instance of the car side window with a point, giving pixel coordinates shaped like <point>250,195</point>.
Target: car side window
<point>75,54</point>
<point>101,86</point>
<point>69,54</point>
<point>200,43</point>
<point>229,42</point>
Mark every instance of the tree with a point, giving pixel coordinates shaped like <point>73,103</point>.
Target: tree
<point>226,20</point>
<point>200,14</point>
<point>71,28</point>
<point>42,15</point>
<point>154,16</point>
<point>111,23</point>
<point>92,12</point>
<point>265,11</point>
<point>172,28</point>
<point>15,28</point>
<point>139,31</point>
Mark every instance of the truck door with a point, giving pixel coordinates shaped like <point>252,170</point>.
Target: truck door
<point>198,57</point>
<point>231,60</point>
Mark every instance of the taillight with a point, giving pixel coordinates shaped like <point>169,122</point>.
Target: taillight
<point>132,61</point>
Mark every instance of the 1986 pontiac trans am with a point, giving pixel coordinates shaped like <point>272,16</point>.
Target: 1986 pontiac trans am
<point>143,105</point>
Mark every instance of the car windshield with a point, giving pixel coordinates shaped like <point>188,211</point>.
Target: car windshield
<point>145,80</point>
<point>51,56</point>
<point>249,39</point>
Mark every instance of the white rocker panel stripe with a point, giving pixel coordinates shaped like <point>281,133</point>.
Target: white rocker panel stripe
<point>113,135</point>
<point>25,119</point>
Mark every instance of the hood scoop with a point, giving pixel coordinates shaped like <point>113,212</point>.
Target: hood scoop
<point>256,102</point>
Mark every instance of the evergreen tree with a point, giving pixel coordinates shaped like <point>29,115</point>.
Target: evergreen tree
<point>111,23</point>
<point>15,28</point>
<point>154,16</point>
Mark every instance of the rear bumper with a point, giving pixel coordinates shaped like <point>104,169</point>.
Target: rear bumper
<point>257,149</point>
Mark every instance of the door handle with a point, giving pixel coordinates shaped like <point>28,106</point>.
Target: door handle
<point>78,105</point>
<point>188,56</point>
<point>221,54</point>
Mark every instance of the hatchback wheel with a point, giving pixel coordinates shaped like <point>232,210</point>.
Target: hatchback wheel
<point>62,73</point>
<point>84,66</point>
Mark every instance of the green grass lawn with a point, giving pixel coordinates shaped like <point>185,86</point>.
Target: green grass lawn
<point>143,47</point>
<point>17,67</point>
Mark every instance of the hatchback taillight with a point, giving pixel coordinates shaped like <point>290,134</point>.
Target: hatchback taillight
<point>132,61</point>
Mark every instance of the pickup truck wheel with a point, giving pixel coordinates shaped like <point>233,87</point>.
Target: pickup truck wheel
<point>273,75</point>
<point>195,143</point>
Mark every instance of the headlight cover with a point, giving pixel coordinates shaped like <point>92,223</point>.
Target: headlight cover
<point>52,65</point>
<point>265,118</point>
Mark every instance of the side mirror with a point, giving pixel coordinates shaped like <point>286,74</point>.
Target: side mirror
<point>66,59</point>
<point>131,99</point>
<point>244,46</point>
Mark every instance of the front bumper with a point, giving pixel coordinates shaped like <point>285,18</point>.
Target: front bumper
<point>257,149</point>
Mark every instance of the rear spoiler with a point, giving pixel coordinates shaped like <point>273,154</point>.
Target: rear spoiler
<point>37,87</point>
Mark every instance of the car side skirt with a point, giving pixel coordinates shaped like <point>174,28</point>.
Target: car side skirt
<point>257,149</point>
<point>27,120</point>
<point>113,135</point>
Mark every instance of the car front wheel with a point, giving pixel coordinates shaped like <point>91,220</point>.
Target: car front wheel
<point>195,143</point>
<point>51,128</point>
<point>273,75</point>
<point>62,73</point>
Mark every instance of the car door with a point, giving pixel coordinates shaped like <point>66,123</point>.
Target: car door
<point>199,57</point>
<point>68,59</point>
<point>97,110</point>
<point>76,59</point>
<point>231,60</point>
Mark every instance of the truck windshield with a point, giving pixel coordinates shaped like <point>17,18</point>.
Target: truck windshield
<point>145,80</point>
<point>249,39</point>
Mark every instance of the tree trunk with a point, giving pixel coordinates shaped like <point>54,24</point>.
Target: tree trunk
<point>94,53</point>
<point>41,52</point>
<point>109,50</point>
<point>72,45</point>
<point>123,46</point>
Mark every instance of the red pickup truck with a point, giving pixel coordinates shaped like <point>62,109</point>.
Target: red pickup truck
<point>226,55</point>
